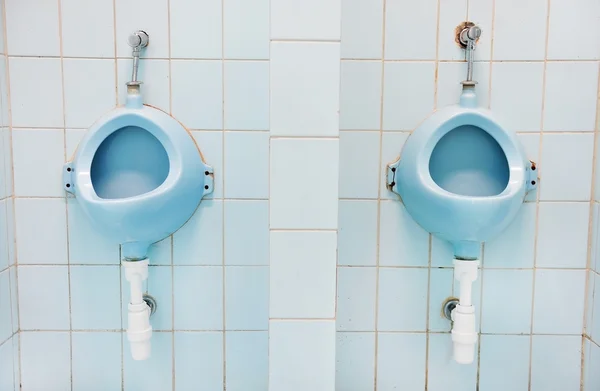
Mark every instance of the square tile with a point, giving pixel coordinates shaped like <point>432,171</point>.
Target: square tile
<point>160,286</point>
<point>160,252</point>
<point>37,84</point>
<point>402,19</point>
<point>563,234</point>
<point>555,363</point>
<point>294,266</point>
<point>306,346</point>
<point>205,370</point>
<point>94,350</point>
<point>522,22</point>
<point>564,289</point>
<point>445,374</point>
<point>499,301</point>
<point>246,95</point>
<point>356,298</point>
<point>402,242</point>
<point>201,20</point>
<point>307,20</point>
<point>451,13</point>
<point>89,310</point>
<point>504,363</point>
<point>200,240</point>
<point>441,282</point>
<point>5,306</point>
<point>362,27</point>
<point>154,374</point>
<point>86,244</point>
<point>247,355</point>
<point>355,361</point>
<point>567,162</point>
<point>201,288</point>
<point>401,361</point>
<point>565,13</point>
<point>200,82</point>
<point>39,155</point>
<point>72,139</point>
<point>391,147</point>
<point>246,232</point>
<point>43,297</point>
<point>592,363</point>
<point>571,89</point>
<point>357,233</point>
<point>408,93</point>
<point>41,240</point>
<point>32,28</point>
<point>96,19</point>
<point>305,88</point>
<point>359,164</point>
<point>395,285</point>
<point>154,73</point>
<point>360,95</point>
<point>515,247</point>
<point>45,361</point>
<point>520,111</point>
<point>6,366</point>
<point>482,13</point>
<point>294,203</point>
<point>247,297</point>
<point>531,145</point>
<point>154,20</point>
<point>211,148</point>
<point>246,29</point>
<point>246,165</point>
<point>450,75</point>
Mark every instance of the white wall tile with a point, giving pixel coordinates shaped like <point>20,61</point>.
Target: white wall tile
<point>450,74</point>
<point>36,87</point>
<point>304,183</point>
<point>403,18</point>
<point>564,16</point>
<point>359,177</point>
<point>246,165</point>
<point>32,28</point>
<point>154,74</point>
<point>197,93</point>
<point>452,13</point>
<point>522,22</point>
<point>481,12</point>
<point>360,95</point>
<point>151,16</point>
<point>571,90</point>
<point>88,28</point>
<point>298,348</point>
<point>305,20</point>
<point>246,95</point>
<point>362,29</point>
<point>305,83</point>
<point>88,98</point>
<point>246,29</point>
<point>296,266</point>
<point>38,162</point>
<point>196,28</point>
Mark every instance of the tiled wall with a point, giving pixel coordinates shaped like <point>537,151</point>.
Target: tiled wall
<point>9,343</point>
<point>399,63</point>
<point>208,65</point>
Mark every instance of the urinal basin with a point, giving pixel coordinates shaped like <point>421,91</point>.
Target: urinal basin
<point>479,195</point>
<point>139,176</point>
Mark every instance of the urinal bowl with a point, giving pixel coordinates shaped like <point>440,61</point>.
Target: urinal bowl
<point>139,176</point>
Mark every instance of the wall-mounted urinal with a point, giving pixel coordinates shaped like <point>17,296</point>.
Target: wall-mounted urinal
<point>139,176</point>
<point>463,176</point>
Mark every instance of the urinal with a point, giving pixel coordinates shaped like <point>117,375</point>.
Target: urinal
<point>138,176</point>
<point>463,177</point>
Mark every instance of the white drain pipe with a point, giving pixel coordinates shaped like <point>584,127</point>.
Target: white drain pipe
<point>464,332</point>
<point>139,330</point>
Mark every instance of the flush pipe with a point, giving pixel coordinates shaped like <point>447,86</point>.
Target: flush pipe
<point>139,330</point>
<point>464,332</point>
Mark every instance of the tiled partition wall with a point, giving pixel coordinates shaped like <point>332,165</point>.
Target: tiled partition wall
<point>305,79</point>
<point>208,65</point>
<point>399,63</point>
<point>9,343</point>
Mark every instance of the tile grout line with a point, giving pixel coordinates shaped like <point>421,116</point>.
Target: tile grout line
<point>538,192</point>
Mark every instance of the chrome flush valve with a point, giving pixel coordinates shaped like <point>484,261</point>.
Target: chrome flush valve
<point>469,35</point>
<point>137,40</point>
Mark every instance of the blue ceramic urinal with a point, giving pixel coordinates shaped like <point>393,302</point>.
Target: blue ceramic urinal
<point>462,176</point>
